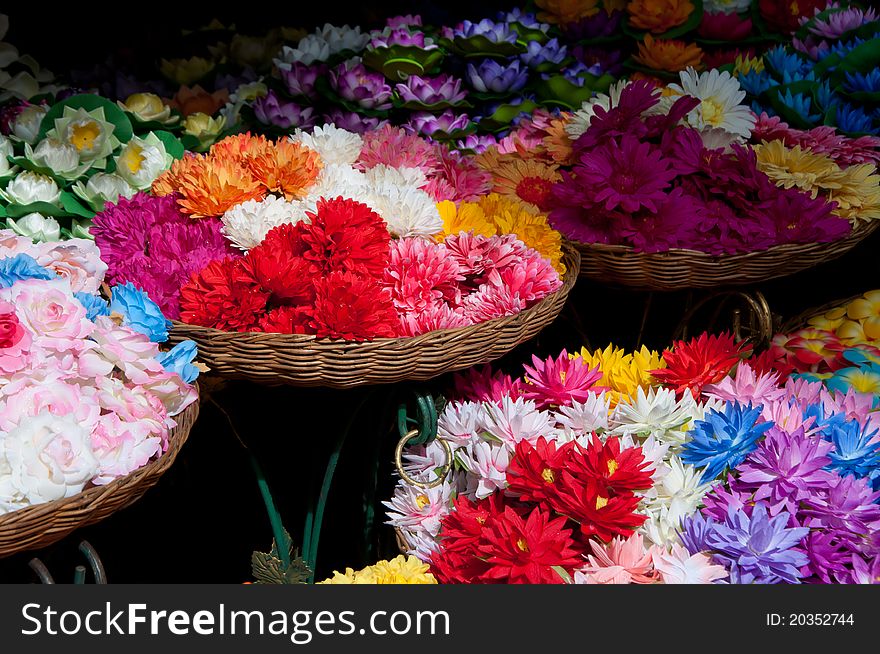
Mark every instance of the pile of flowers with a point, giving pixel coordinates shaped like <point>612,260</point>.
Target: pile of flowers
<point>827,75</point>
<point>694,466</point>
<point>86,395</point>
<point>399,570</point>
<point>330,233</point>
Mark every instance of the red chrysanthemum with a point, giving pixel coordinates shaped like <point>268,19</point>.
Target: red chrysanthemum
<point>224,296</point>
<point>287,320</point>
<point>559,381</point>
<point>535,472</point>
<point>346,235</point>
<point>703,360</point>
<point>462,528</point>
<point>276,265</point>
<point>612,470</point>
<point>353,307</point>
<point>457,568</point>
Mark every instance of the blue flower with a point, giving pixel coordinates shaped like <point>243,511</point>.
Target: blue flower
<point>139,312</point>
<point>180,359</point>
<point>863,81</point>
<point>825,97</point>
<point>20,267</point>
<point>788,65</point>
<point>755,83</point>
<point>841,49</point>
<point>723,440</point>
<point>855,453</point>
<point>538,53</point>
<point>823,422</point>
<point>758,549</point>
<point>853,119</point>
<point>95,306</point>
<point>758,108</point>
<point>799,103</point>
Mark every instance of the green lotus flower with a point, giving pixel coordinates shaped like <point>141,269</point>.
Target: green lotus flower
<point>101,189</point>
<point>87,131</point>
<point>142,160</point>
<point>36,226</point>
<point>61,158</point>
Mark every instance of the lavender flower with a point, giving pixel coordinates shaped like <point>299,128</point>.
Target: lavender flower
<point>495,32</point>
<point>431,90</point>
<point>300,78</point>
<point>829,557</point>
<point>841,22</point>
<point>576,73</point>
<point>426,123</point>
<point>600,59</point>
<point>401,36</point>
<point>848,507</point>
<point>493,77</point>
<point>866,572</point>
<point>695,532</point>
<point>270,110</point>
<point>353,82</point>
<point>540,53</point>
<point>353,122</point>
<point>758,548</point>
<point>477,143</point>
<point>517,15</point>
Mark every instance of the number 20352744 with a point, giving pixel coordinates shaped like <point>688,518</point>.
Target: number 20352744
<point>810,619</point>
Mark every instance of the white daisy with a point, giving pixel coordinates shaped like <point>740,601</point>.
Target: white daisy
<point>247,224</point>
<point>512,421</point>
<point>335,145</point>
<point>408,211</point>
<point>720,96</point>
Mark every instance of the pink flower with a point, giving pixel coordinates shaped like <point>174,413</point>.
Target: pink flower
<point>483,385</point>
<point>54,317</point>
<point>560,381</point>
<point>15,340</point>
<point>131,352</point>
<point>746,386</point>
<point>681,567</point>
<point>420,274</point>
<point>431,318</point>
<point>57,397</point>
<point>393,147</point>
<point>458,178</point>
<point>533,278</point>
<point>172,391</point>
<point>490,302</point>
<point>77,260</point>
<point>477,255</point>
<point>487,467</point>
<point>619,562</point>
<point>122,447</point>
<point>134,404</point>
<point>786,415</point>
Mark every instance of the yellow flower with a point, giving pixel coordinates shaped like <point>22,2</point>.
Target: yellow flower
<point>830,320</point>
<point>743,65</point>
<point>468,217</point>
<point>624,373</point>
<point>561,12</point>
<point>399,570</point>
<point>511,216</point>
<point>668,54</point>
<point>658,16</point>
<point>795,167</point>
<point>866,310</point>
<point>528,180</point>
<point>148,107</point>
<point>186,71</point>
<point>204,128</point>
<point>857,193</point>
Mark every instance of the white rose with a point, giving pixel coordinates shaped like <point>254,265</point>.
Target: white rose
<point>30,187</point>
<point>48,458</point>
<point>36,226</point>
<point>27,123</point>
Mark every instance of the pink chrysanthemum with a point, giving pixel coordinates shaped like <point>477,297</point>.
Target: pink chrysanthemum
<point>533,278</point>
<point>619,562</point>
<point>421,274</point>
<point>490,302</point>
<point>393,147</point>
<point>458,178</point>
<point>560,381</point>
<point>433,317</point>
<point>477,255</point>
<point>746,386</point>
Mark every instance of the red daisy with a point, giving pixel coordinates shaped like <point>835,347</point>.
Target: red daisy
<point>614,471</point>
<point>223,295</point>
<point>353,307</point>
<point>700,361</point>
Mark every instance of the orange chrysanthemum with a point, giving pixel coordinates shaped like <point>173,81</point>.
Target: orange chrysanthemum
<point>558,143</point>
<point>561,12</point>
<point>526,180</point>
<point>285,167</point>
<point>668,54</point>
<point>467,217</point>
<point>208,186</point>
<point>658,16</point>
<point>237,147</point>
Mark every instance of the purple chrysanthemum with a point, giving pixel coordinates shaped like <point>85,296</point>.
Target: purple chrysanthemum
<point>848,506</point>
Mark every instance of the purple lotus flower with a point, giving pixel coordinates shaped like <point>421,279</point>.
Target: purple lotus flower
<point>478,143</point>
<point>517,15</point>
<point>758,549</point>
<point>598,25</point>
<point>495,32</point>
<point>401,36</point>
<point>841,22</point>
<point>494,77</point>
<point>431,90</point>
<point>353,122</point>
<point>600,59</point>
<point>300,78</point>
<point>353,82</point>
<point>409,20</point>
<point>539,53</point>
<point>270,110</point>
<point>426,123</point>
<point>575,73</point>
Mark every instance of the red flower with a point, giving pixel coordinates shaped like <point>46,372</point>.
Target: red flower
<point>224,296</point>
<point>522,550</point>
<point>353,307</point>
<point>614,472</point>
<point>698,362</point>
<point>535,472</point>
<point>346,235</point>
<point>463,527</point>
<point>599,512</point>
<point>11,330</point>
<point>452,567</point>
<point>287,320</point>
<point>276,264</point>
<point>785,15</point>
<point>771,360</point>
<point>810,350</point>
<point>482,384</point>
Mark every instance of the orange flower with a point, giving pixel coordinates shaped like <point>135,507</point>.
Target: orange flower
<point>669,55</point>
<point>557,142</point>
<point>528,180</point>
<point>658,16</point>
<point>560,12</point>
<point>196,99</point>
<point>239,146</point>
<point>285,167</point>
<point>208,186</point>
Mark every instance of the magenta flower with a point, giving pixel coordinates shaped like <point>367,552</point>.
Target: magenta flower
<point>300,78</point>
<point>271,110</point>
<point>426,123</point>
<point>401,36</point>
<point>352,121</point>
<point>672,226</point>
<point>560,381</point>
<point>353,82</point>
<point>431,90</point>
<point>794,217</point>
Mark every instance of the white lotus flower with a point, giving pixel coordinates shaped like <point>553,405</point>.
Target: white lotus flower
<point>342,38</point>
<point>512,421</point>
<point>5,151</point>
<point>87,131</point>
<point>29,187</point>
<point>407,211</point>
<point>459,422</point>
<point>310,49</point>
<point>726,6</point>
<point>335,145</point>
<point>60,158</point>
<point>142,160</point>
<point>27,123</point>
<point>36,226</point>
<point>720,96</point>
<point>585,417</point>
<point>103,188</point>
<point>247,224</point>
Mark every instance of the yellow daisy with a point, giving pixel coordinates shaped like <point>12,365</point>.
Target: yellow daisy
<point>795,167</point>
<point>399,570</point>
<point>857,193</point>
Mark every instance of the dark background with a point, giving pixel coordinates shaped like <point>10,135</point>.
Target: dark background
<point>205,517</point>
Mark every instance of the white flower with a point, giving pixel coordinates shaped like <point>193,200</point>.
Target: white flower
<point>677,495</point>
<point>339,179</point>
<point>342,38</point>
<point>36,227</point>
<point>486,464</point>
<point>29,187</point>
<point>335,145</point>
<point>87,131</point>
<point>588,416</point>
<point>310,49</point>
<point>5,151</point>
<point>654,413</point>
<point>247,224</point>
<point>121,447</point>
<point>407,211</point>
<point>720,96</point>
<point>27,124</point>
<point>512,421</point>
<point>47,458</point>
<point>580,119</point>
<point>422,461</point>
<point>715,138</point>
<point>381,175</point>
<point>726,6</point>
<point>103,188</point>
<point>679,566</point>
<point>60,158</point>
<point>459,422</point>
<point>419,510</point>
<point>141,161</point>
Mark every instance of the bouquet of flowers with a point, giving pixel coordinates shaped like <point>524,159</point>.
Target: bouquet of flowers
<point>693,466</point>
<point>343,236</point>
<point>86,395</point>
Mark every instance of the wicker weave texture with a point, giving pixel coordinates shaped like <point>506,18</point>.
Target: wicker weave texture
<point>41,525</point>
<point>684,269</point>
<point>301,360</point>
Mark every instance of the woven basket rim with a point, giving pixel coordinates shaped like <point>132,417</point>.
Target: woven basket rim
<point>571,258</point>
<point>122,491</point>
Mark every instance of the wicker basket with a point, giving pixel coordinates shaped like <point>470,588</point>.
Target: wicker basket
<point>302,360</point>
<point>683,269</point>
<point>44,524</point>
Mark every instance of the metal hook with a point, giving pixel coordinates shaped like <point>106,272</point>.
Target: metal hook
<point>398,462</point>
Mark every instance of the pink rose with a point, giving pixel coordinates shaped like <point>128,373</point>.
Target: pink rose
<point>15,340</point>
<point>12,244</point>
<point>131,352</point>
<point>174,393</point>
<point>122,447</point>
<point>56,319</point>
<point>77,260</point>
<point>135,404</point>
<point>56,397</point>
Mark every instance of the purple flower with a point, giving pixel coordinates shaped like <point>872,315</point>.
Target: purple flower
<point>493,77</point>
<point>866,572</point>
<point>600,59</point>
<point>829,557</point>
<point>792,216</point>
<point>596,26</point>
<point>231,82</point>
<point>431,90</point>
<point>517,15</point>
<point>673,221</point>
<point>694,533</point>
<point>848,506</point>
<point>404,21</point>
<point>495,32</point>
<point>575,73</point>
<point>353,122</point>
<point>786,469</point>
<point>723,499</point>
<point>426,123</point>
<point>300,78</point>
<point>478,143</point>
<point>841,22</point>
<point>270,110</point>
<point>758,548</point>
<point>400,36</point>
<point>538,53</point>
<point>353,82</point>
